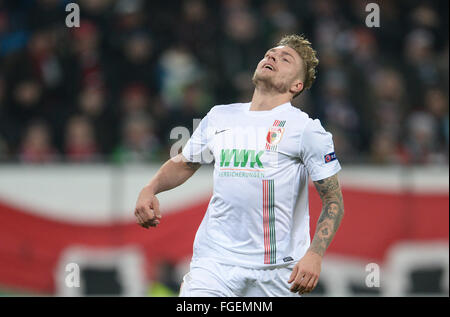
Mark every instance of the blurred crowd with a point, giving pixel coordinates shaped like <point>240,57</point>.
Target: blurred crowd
<point>112,89</point>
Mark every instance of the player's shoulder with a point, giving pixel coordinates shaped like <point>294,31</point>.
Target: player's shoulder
<point>298,114</point>
<point>300,119</point>
<point>306,123</point>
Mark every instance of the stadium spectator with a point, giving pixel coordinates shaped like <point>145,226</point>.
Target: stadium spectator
<point>37,145</point>
<point>390,104</point>
<point>94,104</point>
<point>27,98</point>
<point>89,58</point>
<point>137,62</point>
<point>178,68</point>
<point>427,138</point>
<point>80,145</point>
<point>135,100</point>
<point>139,142</point>
<point>384,149</point>
<point>436,102</point>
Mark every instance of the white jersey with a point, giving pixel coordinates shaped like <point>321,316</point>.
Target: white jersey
<point>258,215</point>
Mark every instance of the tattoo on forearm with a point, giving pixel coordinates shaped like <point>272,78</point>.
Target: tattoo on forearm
<point>331,215</point>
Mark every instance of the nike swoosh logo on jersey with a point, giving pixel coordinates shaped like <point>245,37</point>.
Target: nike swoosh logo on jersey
<point>217,132</point>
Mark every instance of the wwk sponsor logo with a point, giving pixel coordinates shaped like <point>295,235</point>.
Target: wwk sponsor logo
<point>241,158</point>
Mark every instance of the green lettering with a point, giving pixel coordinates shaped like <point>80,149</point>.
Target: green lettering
<point>240,156</point>
<point>258,160</point>
<point>255,159</point>
<point>225,157</point>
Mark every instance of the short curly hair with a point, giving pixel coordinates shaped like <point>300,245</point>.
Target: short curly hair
<point>304,49</point>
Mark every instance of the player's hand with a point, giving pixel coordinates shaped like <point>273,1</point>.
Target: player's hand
<point>147,209</point>
<point>305,275</point>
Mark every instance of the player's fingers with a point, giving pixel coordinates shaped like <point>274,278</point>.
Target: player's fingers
<point>293,274</point>
<point>151,219</point>
<point>140,221</point>
<point>295,286</point>
<point>155,205</point>
<point>315,283</point>
<point>148,214</point>
<point>310,285</point>
<point>142,216</point>
<point>304,282</point>
<point>153,223</point>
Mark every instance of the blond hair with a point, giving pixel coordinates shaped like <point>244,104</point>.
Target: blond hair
<point>304,49</point>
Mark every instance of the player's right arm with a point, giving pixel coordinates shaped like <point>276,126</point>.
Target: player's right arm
<point>174,173</point>
<point>171,174</point>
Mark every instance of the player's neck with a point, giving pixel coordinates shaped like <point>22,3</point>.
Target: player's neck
<point>264,101</point>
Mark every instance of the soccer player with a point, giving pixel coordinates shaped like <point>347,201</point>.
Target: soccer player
<point>254,238</point>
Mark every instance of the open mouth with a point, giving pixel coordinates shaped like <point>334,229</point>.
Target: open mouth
<point>268,67</point>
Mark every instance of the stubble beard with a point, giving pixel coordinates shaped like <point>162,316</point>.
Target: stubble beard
<point>267,83</point>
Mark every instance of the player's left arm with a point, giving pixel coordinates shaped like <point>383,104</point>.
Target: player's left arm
<point>331,215</point>
<point>305,274</point>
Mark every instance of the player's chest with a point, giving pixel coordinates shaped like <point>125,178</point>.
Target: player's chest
<point>250,144</point>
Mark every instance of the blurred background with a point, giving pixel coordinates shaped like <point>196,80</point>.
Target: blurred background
<point>86,115</point>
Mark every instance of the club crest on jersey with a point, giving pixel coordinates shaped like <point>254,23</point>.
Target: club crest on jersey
<point>274,135</point>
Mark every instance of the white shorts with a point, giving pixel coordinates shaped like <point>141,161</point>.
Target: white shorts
<point>207,278</point>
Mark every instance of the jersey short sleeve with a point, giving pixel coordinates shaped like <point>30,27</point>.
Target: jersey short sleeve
<point>317,152</point>
<point>197,148</point>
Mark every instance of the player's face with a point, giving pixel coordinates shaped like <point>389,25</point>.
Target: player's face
<point>279,69</point>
